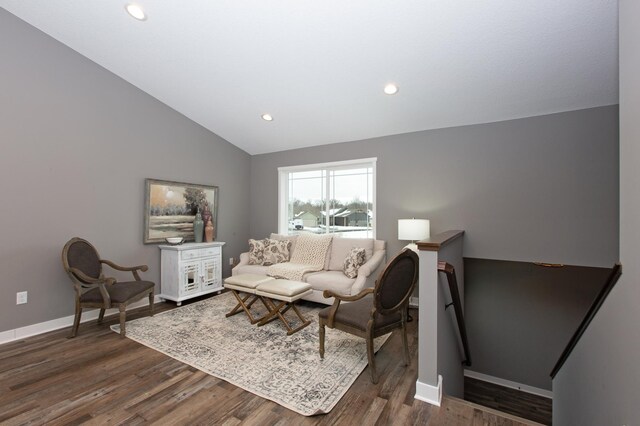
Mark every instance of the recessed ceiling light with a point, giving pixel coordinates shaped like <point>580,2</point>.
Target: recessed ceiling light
<point>267,117</point>
<point>136,11</point>
<point>390,89</point>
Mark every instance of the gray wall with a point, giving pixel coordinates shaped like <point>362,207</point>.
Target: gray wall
<point>521,316</point>
<point>77,144</point>
<point>535,189</point>
<point>599,384</point>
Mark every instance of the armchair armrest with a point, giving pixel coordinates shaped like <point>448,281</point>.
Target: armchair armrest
<point>368,272</point>
<point>93,282</point>
<point>87,282</point>
<point>341,297</point>
<point>244,260</point>
<point>337,298</point>
<point>133,269</point>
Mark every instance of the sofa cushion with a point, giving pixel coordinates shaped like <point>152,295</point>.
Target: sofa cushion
<point>276,251</point>
<point>280,237</point>
<point>250,269</point>
<point>341,247</point>
<point>354,260</point>
<point>335,281</point>
<point>256,251</point>
<point>294,239</point>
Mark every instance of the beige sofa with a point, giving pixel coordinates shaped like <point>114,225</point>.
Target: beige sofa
<point>332,276</point>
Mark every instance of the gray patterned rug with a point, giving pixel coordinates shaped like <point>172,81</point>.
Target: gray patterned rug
<point>262,360</point>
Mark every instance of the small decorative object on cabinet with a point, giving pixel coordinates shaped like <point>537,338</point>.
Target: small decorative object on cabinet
<point>208,231</point>
<point>198,227</point>
<point>190,270</point>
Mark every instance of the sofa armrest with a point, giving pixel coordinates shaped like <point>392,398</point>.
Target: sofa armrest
<point>244,260</point>
<point>368,273</point>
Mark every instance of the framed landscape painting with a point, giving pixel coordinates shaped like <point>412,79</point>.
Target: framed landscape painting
<point>170,208</point>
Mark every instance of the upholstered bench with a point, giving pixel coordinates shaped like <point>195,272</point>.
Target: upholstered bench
<point>246,283</point>
<point>281,296</point>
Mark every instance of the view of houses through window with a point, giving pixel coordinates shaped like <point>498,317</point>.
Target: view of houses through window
<point>323,198</point>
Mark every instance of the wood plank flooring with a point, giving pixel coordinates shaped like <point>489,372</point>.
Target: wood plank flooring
<point>99,378</point>
<point>523,404</point>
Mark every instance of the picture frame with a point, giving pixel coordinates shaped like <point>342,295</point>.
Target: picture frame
<point>170,209</point>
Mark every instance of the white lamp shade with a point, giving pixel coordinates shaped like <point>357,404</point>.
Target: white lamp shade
<point>413,229</point>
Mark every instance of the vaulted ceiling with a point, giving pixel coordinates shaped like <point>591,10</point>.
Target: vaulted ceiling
<point>319,67</point>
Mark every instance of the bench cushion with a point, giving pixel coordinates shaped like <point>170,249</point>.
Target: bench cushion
<point>247,280</point>
<point>286,288</point>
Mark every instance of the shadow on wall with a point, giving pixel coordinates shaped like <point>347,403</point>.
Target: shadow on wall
<point>520,316</point>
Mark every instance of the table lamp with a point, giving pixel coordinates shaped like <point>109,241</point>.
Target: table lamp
<point>413,230</point>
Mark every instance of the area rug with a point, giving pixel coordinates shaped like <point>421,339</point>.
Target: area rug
<point>262,360</point>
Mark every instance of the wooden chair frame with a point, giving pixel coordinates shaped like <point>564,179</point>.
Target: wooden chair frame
<point>83,283</point>
<point>376,309</point>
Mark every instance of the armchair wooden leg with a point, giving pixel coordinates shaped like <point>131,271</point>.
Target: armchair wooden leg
<point>123,317</point>
<point>405,343</point>
<point>76,321</point>
<point>151,298</point>
<point>101,316</point>
<point>321,333</point>
<point>372,362</point>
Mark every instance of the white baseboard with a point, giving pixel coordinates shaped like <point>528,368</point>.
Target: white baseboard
<point>414,302</point>
<point>429,393</point>
<point>509,384</point>
<point>56,324</point>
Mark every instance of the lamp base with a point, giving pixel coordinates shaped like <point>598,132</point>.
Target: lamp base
<point>412,246</point>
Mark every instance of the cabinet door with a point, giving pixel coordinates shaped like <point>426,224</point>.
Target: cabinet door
<point>211,273</point>
<point>190,278</point>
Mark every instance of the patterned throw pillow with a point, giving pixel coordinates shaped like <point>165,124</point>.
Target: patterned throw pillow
<point>256,251</point>
<point>354,261</point>
<point>276,251</point>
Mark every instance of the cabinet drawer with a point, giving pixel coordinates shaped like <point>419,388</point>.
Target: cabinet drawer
<point>189,254</point>
<point>198,253</point>
<point>210,251</point>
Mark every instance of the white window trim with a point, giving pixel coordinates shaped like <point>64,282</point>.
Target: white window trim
<point>283,222</point>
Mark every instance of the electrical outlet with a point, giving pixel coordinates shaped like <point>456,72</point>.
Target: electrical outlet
<point>21,297</point>
<point>231,261</point>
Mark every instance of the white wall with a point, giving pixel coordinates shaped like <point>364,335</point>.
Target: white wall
<point>600,383</point>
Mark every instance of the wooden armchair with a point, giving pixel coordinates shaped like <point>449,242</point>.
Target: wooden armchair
<point>370,317</point>
<point>93,290</point>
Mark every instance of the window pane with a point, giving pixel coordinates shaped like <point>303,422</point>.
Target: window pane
<point>306,200</point>
<point>336,199</point>
<point>351,202</point>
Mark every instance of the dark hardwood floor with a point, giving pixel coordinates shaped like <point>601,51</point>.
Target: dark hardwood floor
<point>100,378</point>
<point>523,404</point>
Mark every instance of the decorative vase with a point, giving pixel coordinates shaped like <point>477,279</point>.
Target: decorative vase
<point>198,227</point>
<point>206,213</point>
<point>208,231</point>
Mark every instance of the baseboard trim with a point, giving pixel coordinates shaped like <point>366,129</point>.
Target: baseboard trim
<point>429,393</point>
<point>57,324</point>
<point>414,302</point>
<point>509,384</point>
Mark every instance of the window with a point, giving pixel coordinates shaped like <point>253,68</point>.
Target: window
<point>332,197</point>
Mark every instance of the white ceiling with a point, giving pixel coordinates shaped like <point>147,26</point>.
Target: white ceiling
<point>319,66</point>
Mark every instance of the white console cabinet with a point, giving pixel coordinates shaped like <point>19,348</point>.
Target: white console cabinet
<point>190,270</point>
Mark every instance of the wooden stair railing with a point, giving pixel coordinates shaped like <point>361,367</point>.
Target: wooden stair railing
<point>450,272</point>
<point>612,279</point>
